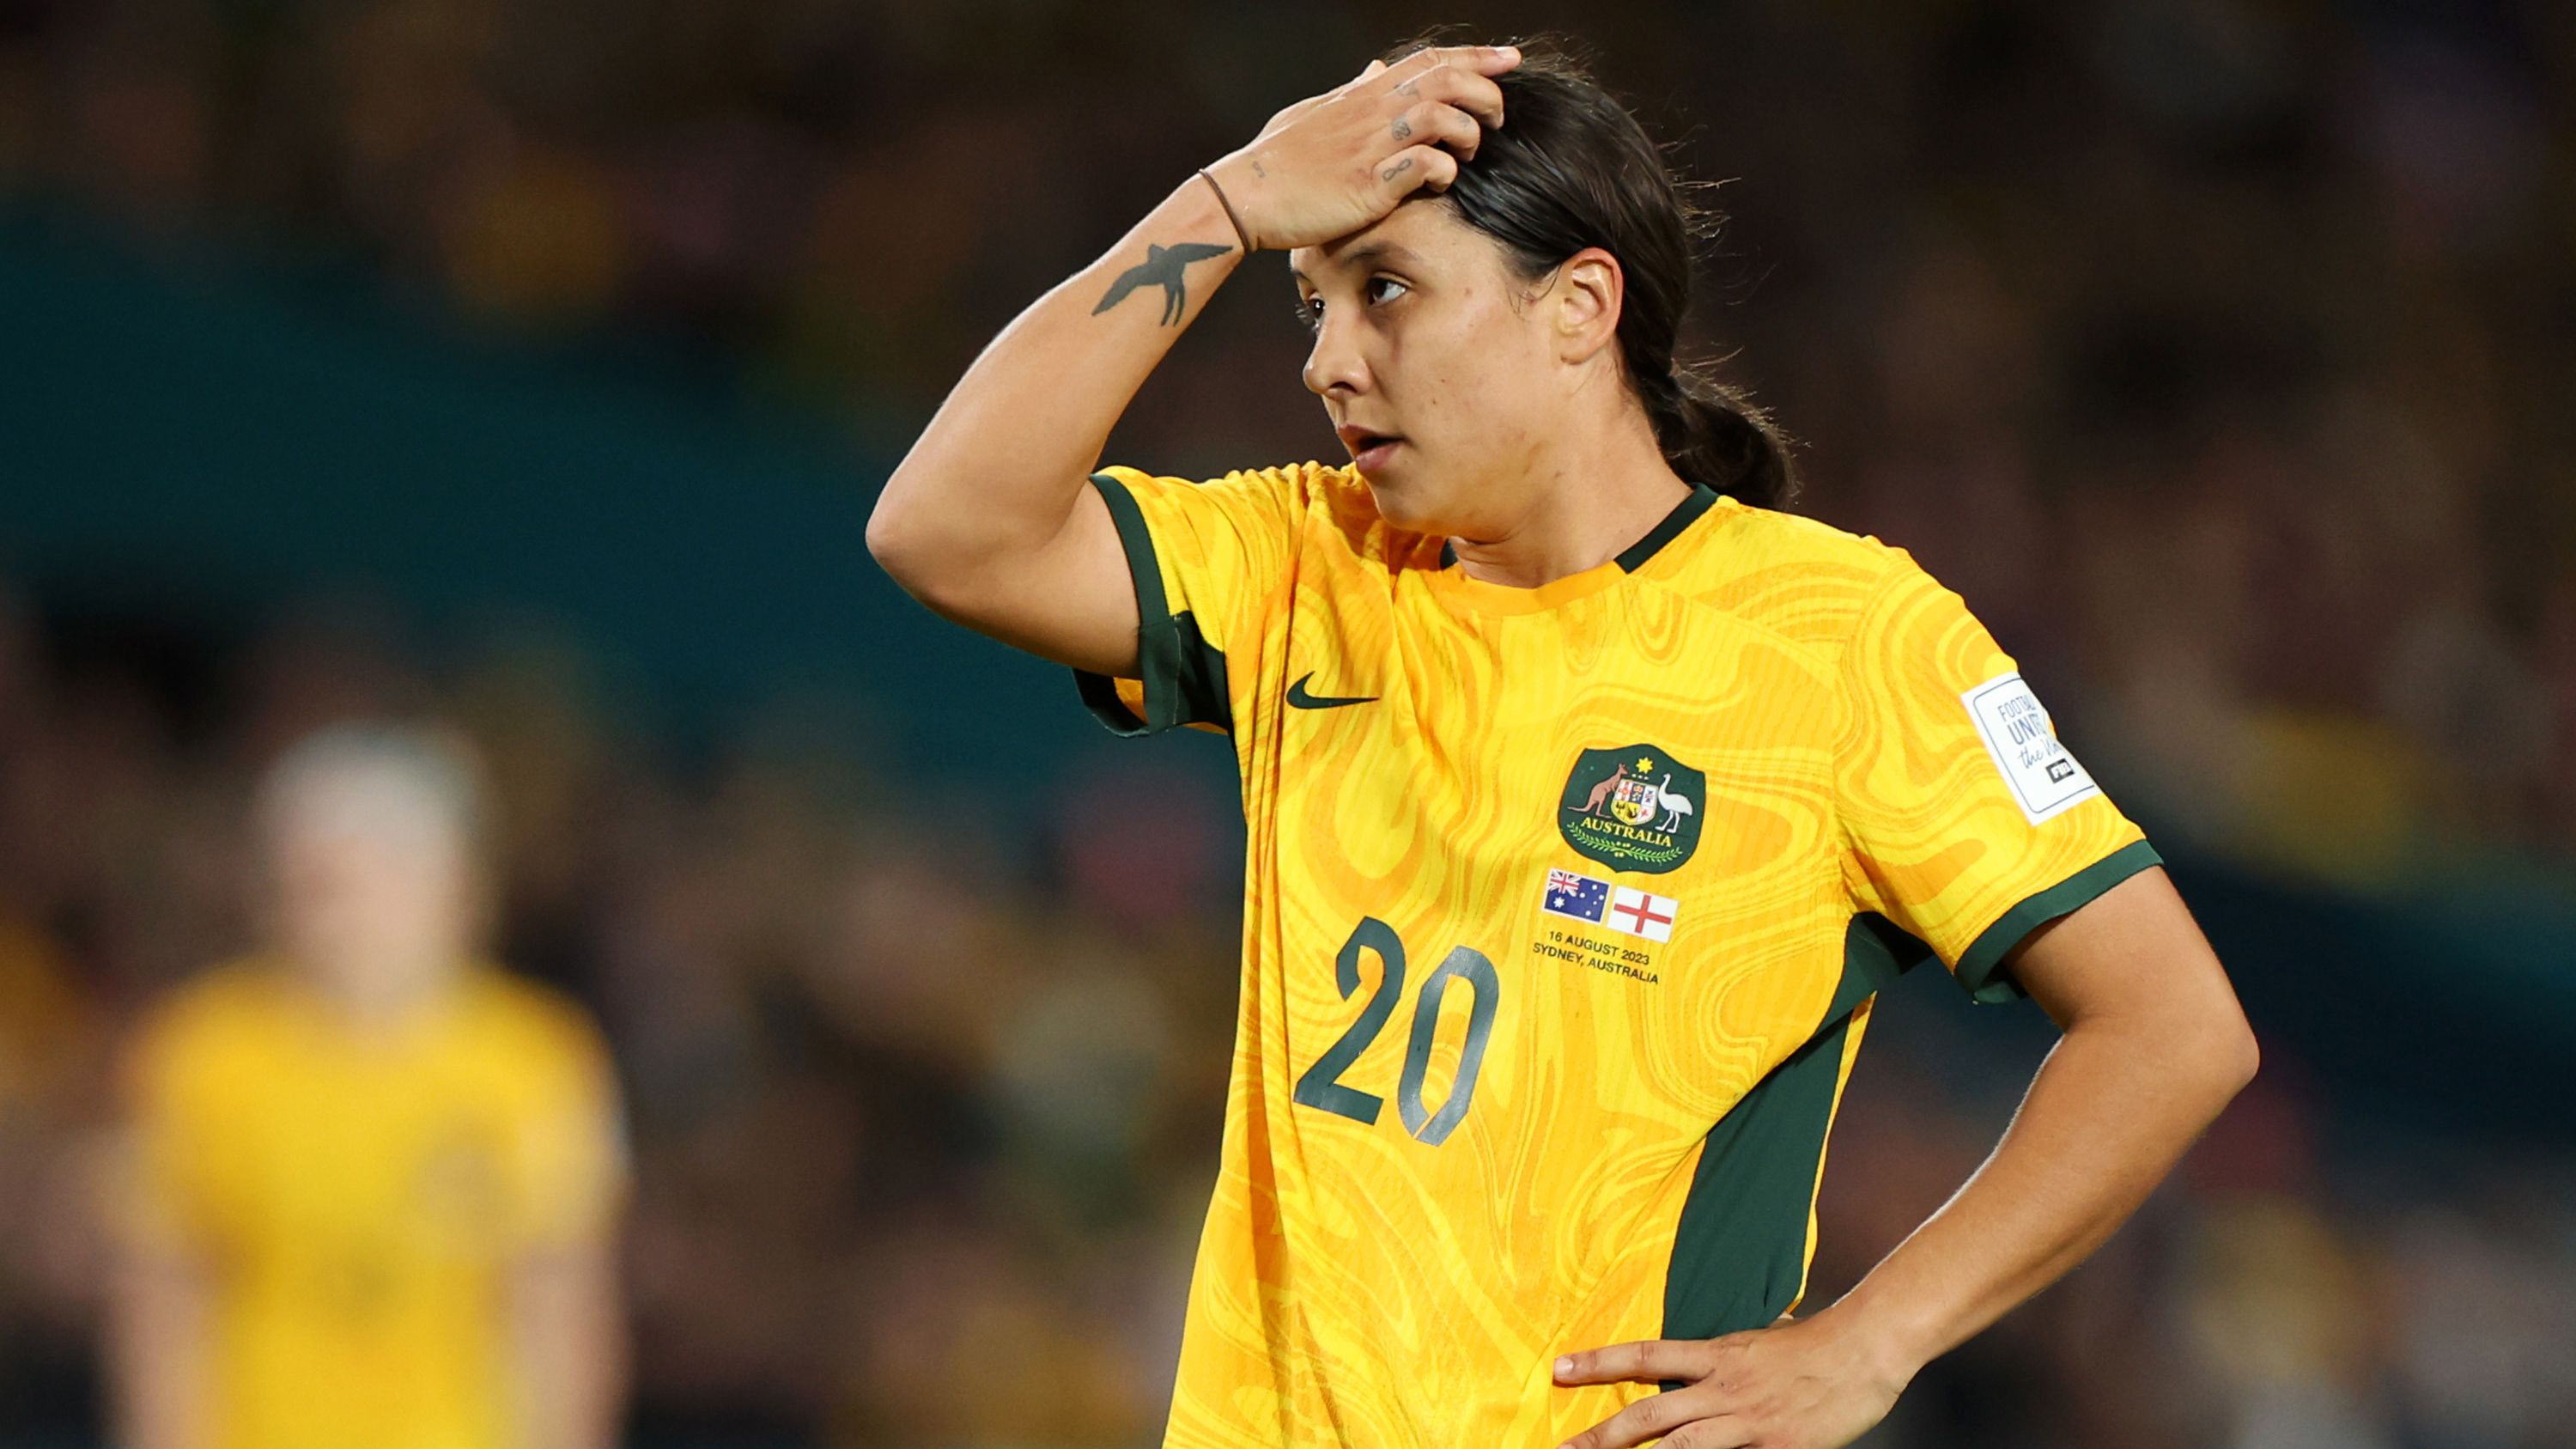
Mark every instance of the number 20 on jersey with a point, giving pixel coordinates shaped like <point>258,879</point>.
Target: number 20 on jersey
<point>1321,1086</point>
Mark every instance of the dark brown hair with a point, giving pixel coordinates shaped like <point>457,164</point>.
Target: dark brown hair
<point>1570,169</point>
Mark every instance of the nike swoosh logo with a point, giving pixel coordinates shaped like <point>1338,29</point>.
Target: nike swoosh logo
<point>1298,698</point>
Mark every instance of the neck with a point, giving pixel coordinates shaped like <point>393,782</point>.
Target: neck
<point>1583,504</point>
<point>384,997</point>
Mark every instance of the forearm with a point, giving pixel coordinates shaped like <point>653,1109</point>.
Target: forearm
<point>157,1339</point>
<point>571,1342</point>
<point>1000,468</point>
<point>2111,1110</point>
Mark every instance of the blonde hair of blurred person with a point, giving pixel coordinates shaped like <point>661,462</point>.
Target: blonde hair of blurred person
<point>374,1180</point>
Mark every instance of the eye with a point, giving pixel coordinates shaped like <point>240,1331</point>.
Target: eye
<point>1371,291</point>
<point>1310,312</point>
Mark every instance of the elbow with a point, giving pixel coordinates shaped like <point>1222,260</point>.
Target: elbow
<point>889,539</point>
<point>897,540</point>
<point>931,564</point>
<point>2205,1050</point>
<point>2228,1056</point>
<point>2245,1056</point>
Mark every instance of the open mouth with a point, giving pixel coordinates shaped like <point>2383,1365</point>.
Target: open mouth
<point>1370,450</point>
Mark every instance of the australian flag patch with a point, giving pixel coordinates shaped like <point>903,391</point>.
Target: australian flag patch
<point>1577,896</point>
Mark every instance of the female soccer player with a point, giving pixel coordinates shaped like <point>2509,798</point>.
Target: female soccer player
<point>1590,800</point>
<point>374,1181</point>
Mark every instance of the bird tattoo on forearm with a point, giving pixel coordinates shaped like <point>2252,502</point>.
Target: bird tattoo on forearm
<point>1162,265</point>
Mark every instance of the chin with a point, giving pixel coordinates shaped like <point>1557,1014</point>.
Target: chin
<point>1400,501</point>
<point>1394,506</point>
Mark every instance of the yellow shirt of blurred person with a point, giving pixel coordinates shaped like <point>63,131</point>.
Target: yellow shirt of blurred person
<point>1564,909</point>
<point>357,1196</point>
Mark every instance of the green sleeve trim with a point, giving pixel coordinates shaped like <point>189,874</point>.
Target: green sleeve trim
<point>1981,972</point>
<point>1184,675</point>
<point>1099,694</point>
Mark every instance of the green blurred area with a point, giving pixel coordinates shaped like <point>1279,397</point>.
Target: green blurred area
<point>204,441</point>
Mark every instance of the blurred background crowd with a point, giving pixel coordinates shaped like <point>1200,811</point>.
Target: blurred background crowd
<point>2218,351</point>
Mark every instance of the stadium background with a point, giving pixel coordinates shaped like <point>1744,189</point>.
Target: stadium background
<point>532,365</point>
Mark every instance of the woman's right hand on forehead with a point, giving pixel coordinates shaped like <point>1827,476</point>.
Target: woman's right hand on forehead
<point>1332,164</point>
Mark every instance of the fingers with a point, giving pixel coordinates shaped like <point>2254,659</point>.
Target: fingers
<point>1417,168</point>
<point>1662,1415</point>
<point>1460,75</point>
<point>1432,123</point>
<point>1482,59</point>
<point>1653,1361</point>
<point>1723,1432</point>
<point>1477,95</point>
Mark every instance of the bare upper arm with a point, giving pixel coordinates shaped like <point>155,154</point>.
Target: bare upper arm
<point>1068,597</point>
<point>2134,955</point>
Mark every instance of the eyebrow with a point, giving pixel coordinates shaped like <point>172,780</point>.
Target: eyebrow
<point>1366,254</point>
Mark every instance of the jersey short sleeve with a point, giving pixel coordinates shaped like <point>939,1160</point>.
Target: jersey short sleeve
<point>1211,564</point>
<point>1966,823</point>
<point>563,1147</point>
<point>164,1192</point>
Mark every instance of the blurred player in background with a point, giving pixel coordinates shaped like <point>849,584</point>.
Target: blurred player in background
<point>374,1180</point>
<point>1591,798</point>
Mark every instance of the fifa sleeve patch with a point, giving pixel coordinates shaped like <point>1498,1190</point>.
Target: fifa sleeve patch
<point>2045,779</point>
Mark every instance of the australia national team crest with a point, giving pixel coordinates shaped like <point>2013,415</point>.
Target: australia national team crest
<point>1633,809</point>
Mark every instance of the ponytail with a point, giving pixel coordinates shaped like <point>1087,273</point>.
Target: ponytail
<point>1711,433</point>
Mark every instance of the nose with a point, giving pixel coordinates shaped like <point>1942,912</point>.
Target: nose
<point>1335,362</point>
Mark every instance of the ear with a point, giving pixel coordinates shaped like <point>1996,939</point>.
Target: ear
<point>1589,293</point>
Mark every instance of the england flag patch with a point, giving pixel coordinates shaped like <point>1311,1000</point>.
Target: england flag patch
<point>1643,913</point>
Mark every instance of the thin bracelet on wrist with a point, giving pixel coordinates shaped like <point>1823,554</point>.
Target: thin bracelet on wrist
<point>1240,234</point>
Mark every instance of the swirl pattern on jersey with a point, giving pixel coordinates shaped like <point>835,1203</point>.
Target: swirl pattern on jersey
<point>1643,1065</point>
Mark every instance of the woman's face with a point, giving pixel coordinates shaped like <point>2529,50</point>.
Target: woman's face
<point>1436,369</point>
<point>369,890</point>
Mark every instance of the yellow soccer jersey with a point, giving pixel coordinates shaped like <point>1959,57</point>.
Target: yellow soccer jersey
<point>1563,908</point>
<point>358,1199</point>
